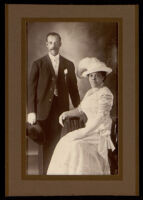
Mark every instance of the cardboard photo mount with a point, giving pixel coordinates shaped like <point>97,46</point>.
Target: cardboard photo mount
<point>126,183</point>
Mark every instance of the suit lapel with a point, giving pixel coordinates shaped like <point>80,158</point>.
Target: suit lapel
<point>61,66</point>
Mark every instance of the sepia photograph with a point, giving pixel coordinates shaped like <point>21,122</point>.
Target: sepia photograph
<point>71,100</point>
<point>72,97</point>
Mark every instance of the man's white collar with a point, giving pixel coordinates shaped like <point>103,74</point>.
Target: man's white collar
<point>54,57</point>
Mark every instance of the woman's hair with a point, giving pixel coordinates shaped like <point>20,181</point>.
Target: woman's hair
<point>103,75</point>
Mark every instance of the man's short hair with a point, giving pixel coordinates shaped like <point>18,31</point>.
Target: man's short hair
<point>54,34</point>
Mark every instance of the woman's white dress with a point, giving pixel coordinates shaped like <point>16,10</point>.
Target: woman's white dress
<point>85,151</point>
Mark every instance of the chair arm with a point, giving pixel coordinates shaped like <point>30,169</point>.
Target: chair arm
<point>73,123</point>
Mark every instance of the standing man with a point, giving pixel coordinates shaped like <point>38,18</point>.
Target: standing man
<point>51,80</point>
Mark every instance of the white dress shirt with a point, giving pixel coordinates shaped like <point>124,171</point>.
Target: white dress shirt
<point>55,62</point>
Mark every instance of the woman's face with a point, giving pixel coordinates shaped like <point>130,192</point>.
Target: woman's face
<point>95,79</point>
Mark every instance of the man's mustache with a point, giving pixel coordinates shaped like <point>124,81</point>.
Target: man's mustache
<point>54,48</point>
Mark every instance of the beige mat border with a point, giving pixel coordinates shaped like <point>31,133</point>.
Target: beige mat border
<point>23,81</point>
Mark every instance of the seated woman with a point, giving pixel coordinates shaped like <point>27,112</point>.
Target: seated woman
<point>85,151</point>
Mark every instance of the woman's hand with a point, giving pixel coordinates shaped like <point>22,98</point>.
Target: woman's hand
<point>62,117</point>
<point>71,113</point>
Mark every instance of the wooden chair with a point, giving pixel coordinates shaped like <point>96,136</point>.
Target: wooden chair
<point>113,156</point>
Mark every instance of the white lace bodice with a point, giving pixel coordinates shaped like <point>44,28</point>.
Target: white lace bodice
<point>97,102</point>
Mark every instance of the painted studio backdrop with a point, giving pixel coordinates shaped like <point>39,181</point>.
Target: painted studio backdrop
<point>79,40</point>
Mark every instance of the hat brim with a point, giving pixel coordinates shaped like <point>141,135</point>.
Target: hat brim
<point>87,72</point>
<point>89,65</point>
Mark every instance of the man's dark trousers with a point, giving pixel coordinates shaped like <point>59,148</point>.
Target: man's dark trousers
<point>52,130</point>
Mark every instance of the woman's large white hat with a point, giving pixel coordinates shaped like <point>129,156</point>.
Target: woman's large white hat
<point>92,64</point>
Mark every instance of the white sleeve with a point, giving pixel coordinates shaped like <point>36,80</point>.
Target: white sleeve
<point>105,103</point>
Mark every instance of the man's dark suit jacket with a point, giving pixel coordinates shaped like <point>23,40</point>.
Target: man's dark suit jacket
<point>42,82</point>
